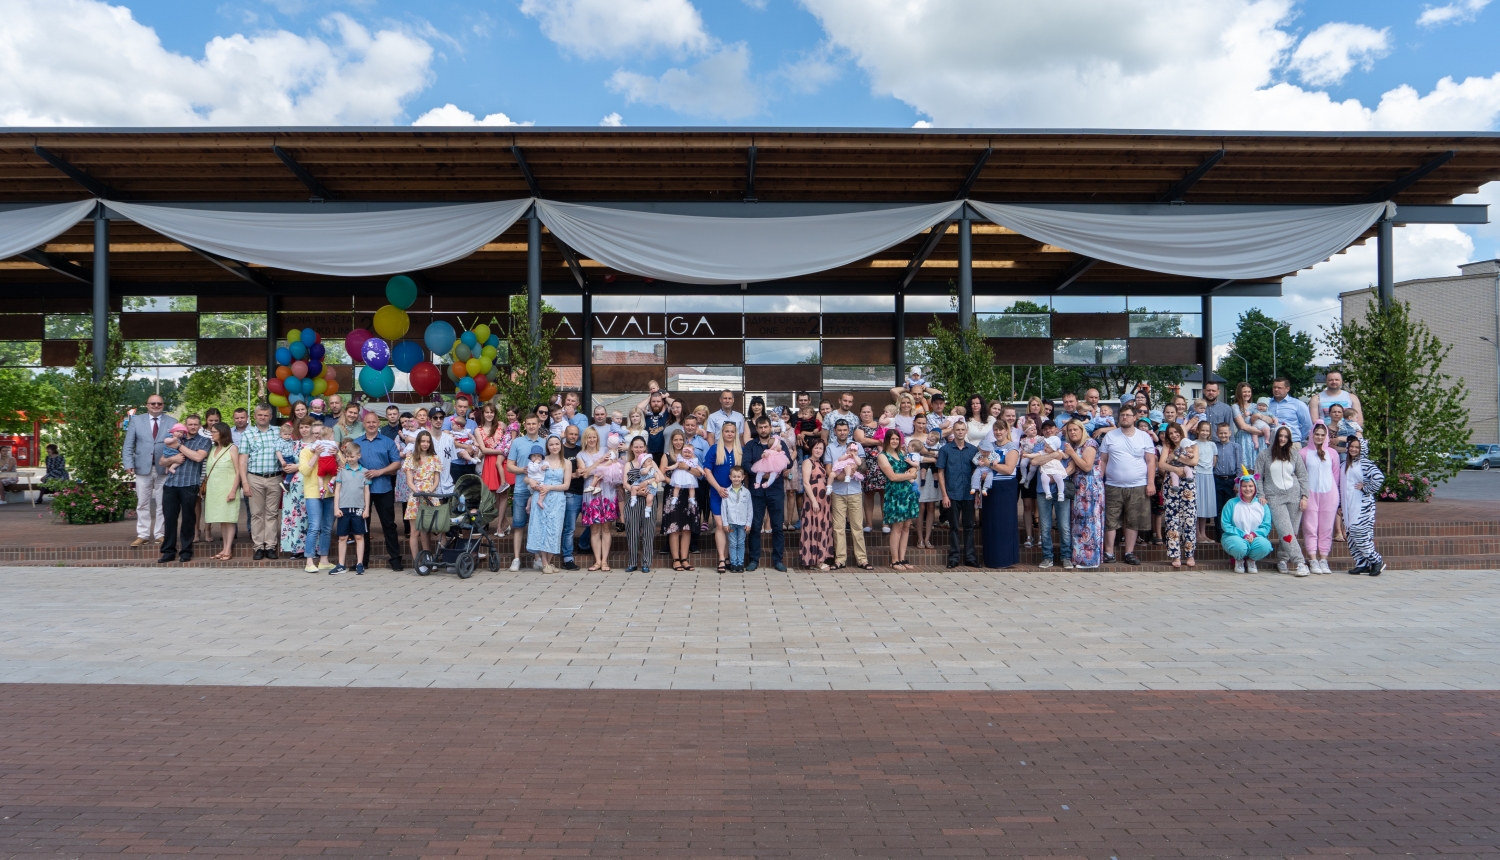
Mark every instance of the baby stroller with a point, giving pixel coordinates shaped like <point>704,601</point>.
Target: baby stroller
<point>470,508</point>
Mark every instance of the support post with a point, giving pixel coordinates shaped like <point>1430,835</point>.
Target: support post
<point>586,396</point>
<point>534,279</point>
<point>1206,342</point>
<point>1385,268</point>
<point>900,337</point>
<point>273,326</point>
<point>965,273</point>
<point>101,293</point>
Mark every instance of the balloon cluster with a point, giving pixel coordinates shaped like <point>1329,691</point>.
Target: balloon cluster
<point>382,351</point>
<point>473,354</point>
<point>300,374</point>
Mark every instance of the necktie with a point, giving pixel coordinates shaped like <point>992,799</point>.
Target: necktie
<point>154,429</point>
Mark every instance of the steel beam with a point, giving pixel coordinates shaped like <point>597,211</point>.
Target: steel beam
<point>930,244</point>
<point>534,279</point>
<point>573,265</point>
<point>900,337</point>
<point>520,157</point>
<point>101,296</point>
<point>1206,341</point>
<point>92,185</point>
<point>750,174</point>
<point>1074,273</point>
<point>1389,191</point>
<point>234,267</point>
<point>319,192</point>
<point>67,268</point>
<point>273,333</point>
<point>1385,263</point>
<point>1176,191</point>
<point>965,273</point>
<point>978,168</point>
<point>586,383</point>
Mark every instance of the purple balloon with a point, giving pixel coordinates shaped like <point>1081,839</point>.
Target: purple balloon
<point>315,352</point>
<point>376,353</point>
<point>314,368</point>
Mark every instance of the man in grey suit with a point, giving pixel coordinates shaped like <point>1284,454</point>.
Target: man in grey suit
<point>144,436</point>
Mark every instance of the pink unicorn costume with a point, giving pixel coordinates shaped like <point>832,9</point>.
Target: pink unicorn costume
<point>1322,496</point>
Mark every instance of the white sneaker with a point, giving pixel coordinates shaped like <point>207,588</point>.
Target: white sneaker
<point>1239,565</point>
<point>1301,569</point>
<point>885,529</point>
<point>867,530</point>
<point>1281,567</point>
<point>1250,566</point>
<point>536,563</point>
<point>515,565</point>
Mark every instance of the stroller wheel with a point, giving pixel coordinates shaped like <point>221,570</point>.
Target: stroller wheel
<point>494,561</point>
<point>464,565</point>
<point>425,563</point>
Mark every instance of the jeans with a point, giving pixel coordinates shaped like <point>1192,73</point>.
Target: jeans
<point>570,524</point>
<point>520,504</point>
<point>1058,510</point>
<point>737,545</point>
<point>319,526</point>
<point>179,507</point>
<point>774,501</point>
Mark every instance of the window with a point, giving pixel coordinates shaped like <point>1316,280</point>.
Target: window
<point>857,377</point>
<point>69,327</point>
<point>783,352</point>
<point>162,353</point>
<point>1088,351</point>
<point>711,377</point>
<point>1014,325</point>
<point>1165,325</point>
<point>159,304</point>
<point>232,325</point>
<point>20,353</point>
<point>916,349</point>
<point>629,352</point>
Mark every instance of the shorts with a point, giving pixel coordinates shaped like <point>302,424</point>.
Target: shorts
<point>1126,507</point>
<point>350,524</point>
<point>435,520</point>
<point>520,504</point>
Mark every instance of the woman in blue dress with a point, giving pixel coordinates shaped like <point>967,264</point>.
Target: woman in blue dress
<point>716,465</point>
<point>997,519</point>
<point>1246,435</point>
<point>544,530</point>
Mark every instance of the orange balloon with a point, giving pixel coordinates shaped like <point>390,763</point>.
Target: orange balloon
<point>284,410</point>
<point>489,392</point>
<point>283,372</point>
<point>333,387</point>
<point>459,370</point>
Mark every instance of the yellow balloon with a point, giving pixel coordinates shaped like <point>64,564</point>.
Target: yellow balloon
<point>485,364</point>
<point>391,323</point>
<point>277,400</point>
<point>489,352</point>
<point>472,365</point>
<point>320,386</point>
<point>482,332</point>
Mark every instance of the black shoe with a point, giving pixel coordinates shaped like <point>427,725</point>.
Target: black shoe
<point>1360,569</point>
<point>1109,558</point>
<point>754,565</point>
<point>972,562</point>
<point>952,564</point>
<point>1131,559</point>
<point>570,565</point>
<point>645,568</point>
<point>780,567</point>
<point>1377,568</point>
<point>166,557</point>
<point>259,554</point>
<point>271,554</point>
<point>396,565</point>
<point>630,569</point>
<point>185,557</point>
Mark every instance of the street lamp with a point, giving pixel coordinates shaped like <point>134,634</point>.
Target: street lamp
<point>1274,332</point>
<point>1247,365</point>
<point>1496,345</point>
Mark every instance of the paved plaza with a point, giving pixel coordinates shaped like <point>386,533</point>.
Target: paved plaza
<point>767,630</point>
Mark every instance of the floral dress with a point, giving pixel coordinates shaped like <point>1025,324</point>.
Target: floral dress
<point>544,530</point>
<point>1088,513</point>
<point>874,478</point>
<point>1179,511</point>
<point>900,503</point>
<point>816,538</point>
<point>293,506</point>
<point>425,475</point>
<point>599,507</point>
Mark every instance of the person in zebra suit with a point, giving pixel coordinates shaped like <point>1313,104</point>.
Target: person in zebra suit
<point>1362,481</point>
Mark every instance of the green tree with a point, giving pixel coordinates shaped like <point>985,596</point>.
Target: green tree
<point>24,398</point>
<point>1413,411</point>
<point>959,362</point>
<point>222,388</point>
<point>134,391</point>
<point>92,438</point>
<point>1252,343</point>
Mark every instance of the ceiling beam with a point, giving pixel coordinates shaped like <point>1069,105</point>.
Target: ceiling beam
<point>1176,191</point>
<point>572,259</point>
<point>520,157</point>
<point>750,174</point>
<point>968,184</point>
<point>1075,272</point>
<point>930,244</point>
<point>236,268</point>
<point>57,264</point>
<point>319,192</point>
<point>1390,191</point>
<point>92,185</point>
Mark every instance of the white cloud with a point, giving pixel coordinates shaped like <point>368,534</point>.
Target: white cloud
<point>1120,64</point>
<point>1329,53</point>
<point>811,72</point>
<point>451,114</point>
<point>614,120</point>
<point>620,28</point>
<point>1453,13</point>
<point>922,123</point>
<point>717,86</point>
<point>115,72</point>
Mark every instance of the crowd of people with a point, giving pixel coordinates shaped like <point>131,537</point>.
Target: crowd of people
<point>1071,476</point>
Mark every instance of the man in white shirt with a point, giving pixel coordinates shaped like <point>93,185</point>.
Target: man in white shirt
<point>844,413</point>
<point>1129,463</point>
<point>725,415</point>
<point>446,450</point>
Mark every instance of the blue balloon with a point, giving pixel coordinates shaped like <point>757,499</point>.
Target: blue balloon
<point>493,341</point>
<point>439,337</point>
<point>376,353</point>
<point>466,385</point>
<point>298,349</point>
<point>293,385</point>
<point>372,381</point>
<point>470,340</point>
<point>283,356</point>
<point>316,352</point>
<point>406,355</point>
<point>294,398</point>
<point>389,375</point>
<point>314,368</point>
<point>309,337</point>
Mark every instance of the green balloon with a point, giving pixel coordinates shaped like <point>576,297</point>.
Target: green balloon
<point>401,291</point>
<point>461,352</point>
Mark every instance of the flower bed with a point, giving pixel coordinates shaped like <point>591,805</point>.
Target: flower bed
<point>81,505</point>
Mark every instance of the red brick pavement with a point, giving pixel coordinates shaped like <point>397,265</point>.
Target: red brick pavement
<point>138,770</point>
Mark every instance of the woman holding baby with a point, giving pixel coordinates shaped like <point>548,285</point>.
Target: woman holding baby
<point>900,505</point>
<point>997,518</point>
<point>679,513</point>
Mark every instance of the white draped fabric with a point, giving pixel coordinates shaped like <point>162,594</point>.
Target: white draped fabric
<point>24,229</point>
<point>1179,241</point>
<point>709,250</point>
<point>345,244</point>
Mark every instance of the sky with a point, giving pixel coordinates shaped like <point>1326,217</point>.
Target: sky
<point>1181,64</point>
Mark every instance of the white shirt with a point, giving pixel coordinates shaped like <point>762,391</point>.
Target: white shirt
<point>903,423</point>
<point>447,452</point>
<point>831,423</point>
<point>977,432</point>
<point>1127,458</point>
<point>717,420</point>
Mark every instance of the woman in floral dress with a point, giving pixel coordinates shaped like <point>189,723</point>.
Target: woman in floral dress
<point>600,510</point>
<point>423,468</point>
<point>815,542</point>
<point>1179,495</point>
<point>1087,522</point>
<point>293,506</point>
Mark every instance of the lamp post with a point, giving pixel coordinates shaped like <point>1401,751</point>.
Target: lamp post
<point>1496,345</point>
<point>1274,332</point>
<point>1247,365</point>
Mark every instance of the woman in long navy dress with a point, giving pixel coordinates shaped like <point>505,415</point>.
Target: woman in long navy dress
<point>997,521</point>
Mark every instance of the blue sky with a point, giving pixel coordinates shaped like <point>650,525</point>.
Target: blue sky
<point>1221,64</point>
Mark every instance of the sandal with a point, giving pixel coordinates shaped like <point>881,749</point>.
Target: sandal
<point>594,567</point>
<point>822,567</point>
<point>722,565</point>
<point>839,566</point>
<point>867,566</point>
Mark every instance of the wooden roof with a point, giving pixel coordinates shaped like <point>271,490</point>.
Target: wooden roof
<point>417,164</point>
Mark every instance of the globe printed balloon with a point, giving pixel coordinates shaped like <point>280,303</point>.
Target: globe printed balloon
<point>375,353</point>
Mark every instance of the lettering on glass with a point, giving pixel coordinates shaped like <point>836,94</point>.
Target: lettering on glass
<point>653,325</point>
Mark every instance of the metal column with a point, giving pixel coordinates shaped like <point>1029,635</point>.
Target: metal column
<point>273,326</point>
<point>586,396</point>
<point>900,337</point>
<point>965,273</point>
<point>1206,342</point>
<point>1386,270</point>
<point>534,281</point>
<point>101,293</point>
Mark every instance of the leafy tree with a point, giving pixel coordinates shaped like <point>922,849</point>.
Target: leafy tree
<point>1113,381</point>
<point>1252,343</point>
<point>135,391</point>
<point>531,379</point>
<point>92,438</point>
<point>959,362</point>
<point>1413,411</point>
<point>25,397</point>
<point>223,388</point>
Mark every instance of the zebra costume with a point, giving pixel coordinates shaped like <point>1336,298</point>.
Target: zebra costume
<point>1359,513</point>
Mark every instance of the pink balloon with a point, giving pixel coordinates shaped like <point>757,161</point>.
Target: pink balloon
<point>299,369</point>
<point>354,341</point>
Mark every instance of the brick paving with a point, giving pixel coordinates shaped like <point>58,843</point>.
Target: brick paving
<point>90,771</point>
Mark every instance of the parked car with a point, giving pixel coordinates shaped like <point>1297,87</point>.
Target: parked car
<point>1481,457</point>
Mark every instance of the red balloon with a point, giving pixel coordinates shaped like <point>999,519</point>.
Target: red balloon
<point>275,386</point>
<point>354,341</point>
<point>425,377</point>
<point>299,369</point>
<point>481,382</point>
